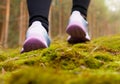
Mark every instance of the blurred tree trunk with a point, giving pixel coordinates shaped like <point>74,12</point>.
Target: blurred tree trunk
<point>6,25</point>
<point>1,33</point>
<point>23,22</point>
<point>60,17</point>
<point>50,21</point>
<point>2,27</point>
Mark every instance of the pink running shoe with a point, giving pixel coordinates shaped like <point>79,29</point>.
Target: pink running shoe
<point>37,38</point>
<point>77,29</point>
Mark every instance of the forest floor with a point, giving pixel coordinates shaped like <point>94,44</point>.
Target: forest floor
<point>94,62</point>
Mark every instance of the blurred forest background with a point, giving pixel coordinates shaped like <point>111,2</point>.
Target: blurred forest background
<point>103,18</point>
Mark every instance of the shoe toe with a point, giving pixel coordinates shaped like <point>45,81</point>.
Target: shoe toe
<point>33,44</point>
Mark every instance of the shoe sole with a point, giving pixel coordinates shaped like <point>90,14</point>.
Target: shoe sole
<point>33,44</point>
<point>77,34</point>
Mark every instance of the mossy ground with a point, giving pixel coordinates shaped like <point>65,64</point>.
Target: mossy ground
<point>95,62</point>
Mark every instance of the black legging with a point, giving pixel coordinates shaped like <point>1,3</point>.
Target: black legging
<point>39,10</point>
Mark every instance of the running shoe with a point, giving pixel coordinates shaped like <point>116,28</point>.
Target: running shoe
<point>77,29</point>
<point>36,38</point>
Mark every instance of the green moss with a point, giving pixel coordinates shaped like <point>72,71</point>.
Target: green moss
<point>9,66</point>
<point>34,76</point>
<point>97,78</point>
<point>113,66</point>
<point>2,58</point>
<point>95,62</point>
<point>103,56</point>
<point>111,42</point>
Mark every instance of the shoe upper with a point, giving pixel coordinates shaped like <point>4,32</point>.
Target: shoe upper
<point>77,27</point>
<point>36,30</point>
<point>76,17</point>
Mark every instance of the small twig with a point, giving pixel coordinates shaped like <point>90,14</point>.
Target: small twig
<point>12,59</point>
<point>3,71</point>
<point>94,49</point>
